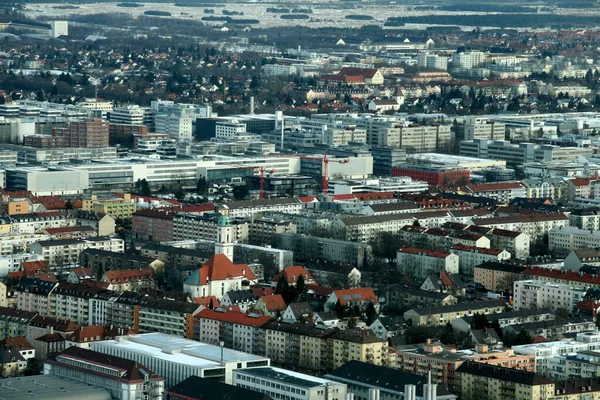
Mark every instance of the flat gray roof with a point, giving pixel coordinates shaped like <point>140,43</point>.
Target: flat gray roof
<point>49,387</point>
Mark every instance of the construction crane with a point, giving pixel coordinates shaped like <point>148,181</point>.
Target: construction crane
<point>261,174</point>
<point>325,177</point>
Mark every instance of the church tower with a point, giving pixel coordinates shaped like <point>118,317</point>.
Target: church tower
<point>224,243</point>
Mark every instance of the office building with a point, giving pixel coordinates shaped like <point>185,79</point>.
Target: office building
<point>124,379</point>
<point>281,383</point>
<point>176,359</point>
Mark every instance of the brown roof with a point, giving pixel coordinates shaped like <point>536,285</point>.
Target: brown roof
<point>129,371</point>
<point>539,217</point>
<point>428,253</point>
<point>97,332</point>
<point>346,296</point>
<point>17,341</point>
<point>274,302</point>
<point>128,275</point>
<point>484,187</point>
<point>292,274</point>
<point>366,72</point>
<point>235,317</point>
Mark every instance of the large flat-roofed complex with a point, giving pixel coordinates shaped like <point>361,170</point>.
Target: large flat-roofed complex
<point>176,359</point>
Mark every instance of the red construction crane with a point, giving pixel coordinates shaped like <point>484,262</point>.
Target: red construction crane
<point>261,173</point>
<point>326,161</point>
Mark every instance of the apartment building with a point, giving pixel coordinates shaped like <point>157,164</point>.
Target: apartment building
<point>516,243</point>
<point>471,256</point>
<point>366,229</point>
<point>90,133</point>
<point>563,240</point>
<point>67,251</point>
<point>508,318</point>
<point>116,207</point>
<point>339,252</point>
<point>153,225</point>
<point>368,381</point>
<point>97,259</point>
<point>546,353</point>
<point>124,379</point>
<point>556,189</point>
<point>498,275</point>
<point>585,219</point>
<point>192,226</point>
<point>574,279</point>
<point>175,359</point>
<point>37,223</point>
<point>420,263</point>
<point>439,239</point>
<point>72,302</point>
<point>359,345</point>
<point>237,330</point>
<point>283,383</point>
<point>493,382</point>
<point>33,295</point>
<point>130,279</point>
<point>503,192</point>
<point>443,361</point>
<point>246,209</point>
<point>535,293</point>
<point>482,128</point>
<point>263,229</point>
<point>441,315</point>
<point>170,317</point>
<point>534,225</point>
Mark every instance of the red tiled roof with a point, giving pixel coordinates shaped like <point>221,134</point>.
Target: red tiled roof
<point>262,291</point>
<point>484,187</point>
<point>355,295</point>
<point>582,181</point>
<point>68,229</point>
<point>274,302</point>
<point>429,253</point>
<point>128,275</point>
<point>31,267</point>
<point>235,317</point>
<point>475,249</point>
<point>562,275</point>
<point>293,273</point>
<point>365,196</point>
<point>219,268</point>
<point>307,199</point>
<point>18,341</point>
<point>97,332</point>
<point>205,301</point>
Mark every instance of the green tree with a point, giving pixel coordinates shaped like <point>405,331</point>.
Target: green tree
<point>352,322</point>
<point>447,335</point>
<point>143,188</point>
<point>300,289</point>
<point>340,309</point>
<point>371,313</point>
<point>523,337</point>
<point>479,321</point>
<point>202,186</point>
<point>562,314</point>
<point>240,192</point>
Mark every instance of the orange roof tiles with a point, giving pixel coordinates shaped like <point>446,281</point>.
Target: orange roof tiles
<point>292,274</point>
<point>129,275</point>
<point>206,301</point>
<point>235,317</point>
<point>348,296</point>
<point>219,268</point>
<point>274,302</point>
<point>428,253</point>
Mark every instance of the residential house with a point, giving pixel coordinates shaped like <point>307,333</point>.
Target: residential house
<point>270,305</point>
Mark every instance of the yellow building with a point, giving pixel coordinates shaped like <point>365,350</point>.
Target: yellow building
<point>441,315</point>
<point>578,389</point>
<point>19,207</point>
<point>489,382</point>
<point>116,207</point>
<point>359,345</point>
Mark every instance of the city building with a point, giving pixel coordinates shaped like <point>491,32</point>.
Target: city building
<point>283,383</point>
<point>66,252</point>
<point>368,381</point>
<point>539,294</point>
<point>443,314</point>
<point>420,263</point>
<point>124,379</point>
<point>498,275</point>
<point>51,388</point>
<point>470,257</point>
<point>495,383</point>
<point>196,388</point>
<point>175,359</point>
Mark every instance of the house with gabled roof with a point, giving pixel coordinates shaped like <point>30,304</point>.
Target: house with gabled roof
<point>352,297</point>
<point>218,276</point>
